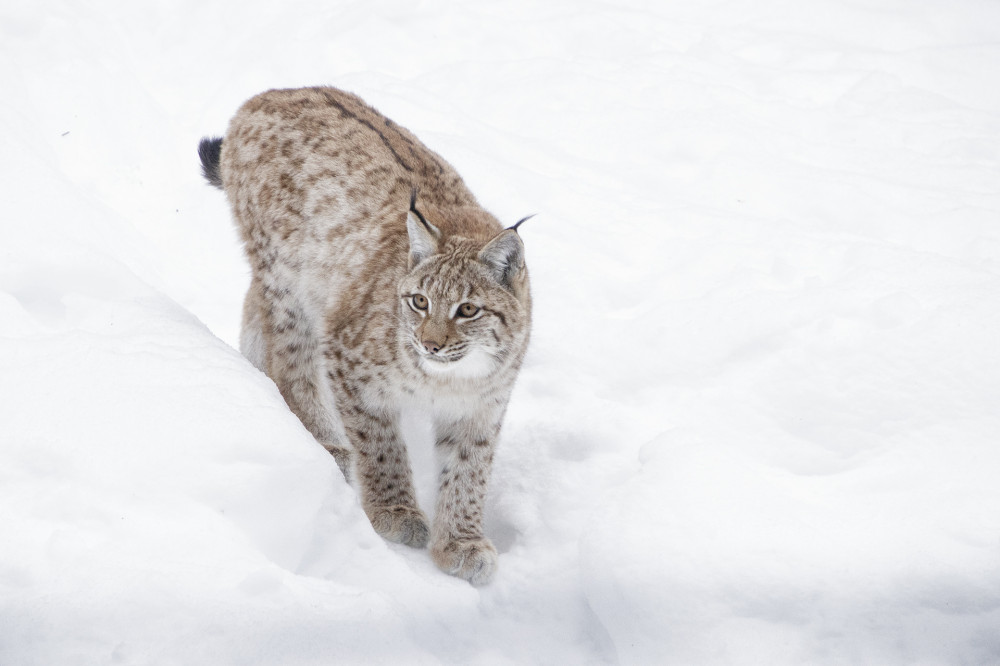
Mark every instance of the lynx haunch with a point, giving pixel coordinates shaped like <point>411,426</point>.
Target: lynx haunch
<point>378,283</point>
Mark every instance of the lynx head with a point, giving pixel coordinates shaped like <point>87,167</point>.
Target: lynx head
<point>464,303</point>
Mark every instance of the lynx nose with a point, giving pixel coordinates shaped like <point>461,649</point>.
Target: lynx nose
<point>431,346</point>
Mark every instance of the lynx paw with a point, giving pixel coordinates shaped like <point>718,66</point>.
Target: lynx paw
<point>399,523</point>
<point>475,560</point>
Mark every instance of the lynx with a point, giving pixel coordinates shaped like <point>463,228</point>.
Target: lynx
<point>378,283</point>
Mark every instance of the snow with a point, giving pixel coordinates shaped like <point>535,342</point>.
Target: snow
<point>758,422</point>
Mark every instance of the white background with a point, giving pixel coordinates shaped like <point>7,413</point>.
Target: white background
<point>759,420</point>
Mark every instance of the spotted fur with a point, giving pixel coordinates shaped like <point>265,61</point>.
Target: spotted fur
<point>378,282</point>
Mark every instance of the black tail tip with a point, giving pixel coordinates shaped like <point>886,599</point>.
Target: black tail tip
<point>209,151</point>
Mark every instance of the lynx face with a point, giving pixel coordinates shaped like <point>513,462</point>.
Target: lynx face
<point>458,307</point>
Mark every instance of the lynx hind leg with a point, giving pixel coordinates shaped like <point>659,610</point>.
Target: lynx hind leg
<point>279,338</point>
<point>252,343</point>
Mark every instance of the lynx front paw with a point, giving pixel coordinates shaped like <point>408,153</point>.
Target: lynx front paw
<point>402,524</point>
<point>475,560</point>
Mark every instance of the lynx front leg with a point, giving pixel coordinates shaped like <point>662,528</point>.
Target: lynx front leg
<point>458,546</point>
<point>383,472</point>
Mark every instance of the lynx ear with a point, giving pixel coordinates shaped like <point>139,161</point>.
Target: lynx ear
<point>424,236</point>
<point>504,256</point>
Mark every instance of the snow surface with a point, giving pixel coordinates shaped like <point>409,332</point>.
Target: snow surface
<point>759,420</point>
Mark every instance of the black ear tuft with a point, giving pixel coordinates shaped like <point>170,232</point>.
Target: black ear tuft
<point>424,237</point>
<point>521,221</point>
<point>209,150</point>
<point>423,220</point>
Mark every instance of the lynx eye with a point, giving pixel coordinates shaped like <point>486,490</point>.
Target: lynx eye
<point>419,301</point>
<point>467,310</point>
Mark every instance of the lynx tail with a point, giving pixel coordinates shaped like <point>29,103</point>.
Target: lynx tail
<point>209,151</point>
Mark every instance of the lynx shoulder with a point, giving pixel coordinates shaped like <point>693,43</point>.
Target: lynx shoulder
<point>378,282</point>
